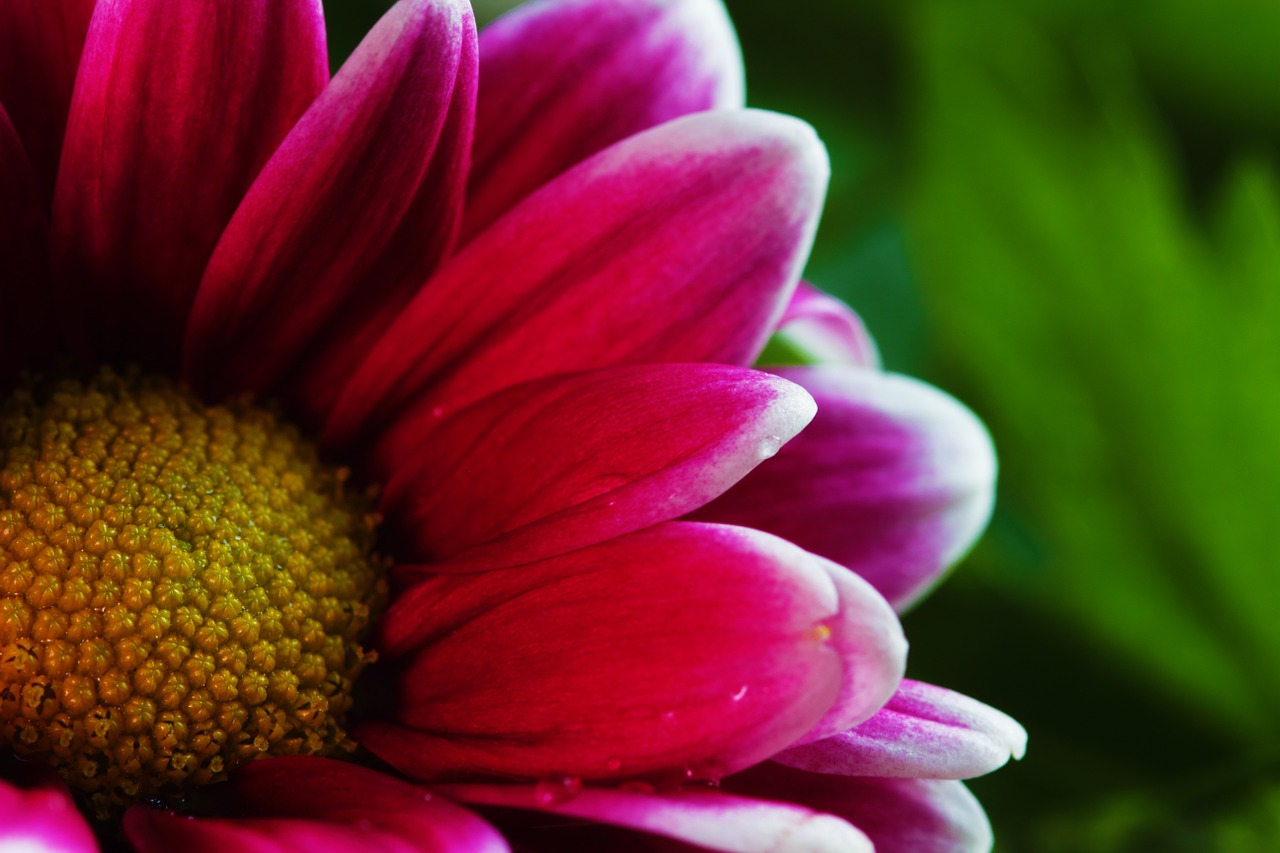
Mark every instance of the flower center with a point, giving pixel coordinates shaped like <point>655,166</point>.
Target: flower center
<point>182,587</point>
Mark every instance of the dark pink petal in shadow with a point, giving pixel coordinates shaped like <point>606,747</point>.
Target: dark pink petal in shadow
<point>296,803</point>
<point>178,105</point>
<point>28,329</point>
<point>40,44</point>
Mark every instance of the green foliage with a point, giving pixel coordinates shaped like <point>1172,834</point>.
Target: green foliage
<point>1118,337</point>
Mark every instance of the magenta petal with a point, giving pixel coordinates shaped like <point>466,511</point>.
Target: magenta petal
<point>898,815</point>
<point>560,81</point>
<point>354,211</point>
<point>42,819</point>
<point>711,820</point>
<point>826,330</point>
<point>925,732</point>
<point>178,105</point>
<point>682,243</point>
<point>27,327</point>
<point>320,805</point>
<point>565,462</point>
<point>684,649</point>
<point>40,44</point>
<point>893,479</point>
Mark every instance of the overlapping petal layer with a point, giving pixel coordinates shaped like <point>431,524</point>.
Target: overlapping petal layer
<point>893,479</point>
<point>679,244</point>
<point>154,164</point>
<point>710,820</point>
<point>898,815</point>
<point>824,330</point>
<point>925,732</point>
<point>560,81</point>
<point>315,804</point>
<point>556,464</point>
<point>684,649</point>
<point>40,44</point>
<point>355,210</point>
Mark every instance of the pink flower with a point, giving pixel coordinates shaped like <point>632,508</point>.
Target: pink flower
<point>518,282</point>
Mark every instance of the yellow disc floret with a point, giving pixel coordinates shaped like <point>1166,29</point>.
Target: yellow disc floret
<point>182,587</point>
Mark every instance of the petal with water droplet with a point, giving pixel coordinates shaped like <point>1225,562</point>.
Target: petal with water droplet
<point>627,655</point>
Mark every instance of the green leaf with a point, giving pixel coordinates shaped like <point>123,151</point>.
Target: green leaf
<point>1120,341</point>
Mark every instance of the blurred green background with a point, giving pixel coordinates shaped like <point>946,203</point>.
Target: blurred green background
<point>1068,215</point>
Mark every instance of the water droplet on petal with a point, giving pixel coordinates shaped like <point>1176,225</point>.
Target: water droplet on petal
<point>742,691</point>
<point>553,792</point>
<point>769,446</point>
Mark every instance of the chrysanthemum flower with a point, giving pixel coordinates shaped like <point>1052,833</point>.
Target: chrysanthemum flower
<point>514,284</point>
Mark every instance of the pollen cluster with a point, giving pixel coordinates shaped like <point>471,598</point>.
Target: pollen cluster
<point>182,587</point>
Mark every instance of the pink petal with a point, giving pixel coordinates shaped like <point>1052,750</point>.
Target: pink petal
<point>679,244</point>
<point>923,732</point>
<point>826,330</point>
<point>560,81</point>
<point>893,479</point>
<point>27,326</point>
<point>315,804</point>
<point>867,685</point>
<point>177,106</point>
<point>560,463</point>
<point>40,44</point>
<point>354,211</point>
<point>711,820</point>
<point>898,815</point>
<point>682,650</point>
<point>42,819</point>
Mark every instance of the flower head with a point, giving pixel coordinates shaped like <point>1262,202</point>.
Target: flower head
<point>514,283</point>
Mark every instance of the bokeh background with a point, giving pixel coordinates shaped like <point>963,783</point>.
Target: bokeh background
<point>1067,213</point>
